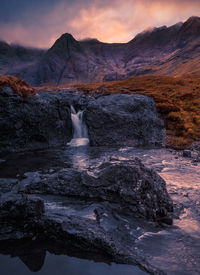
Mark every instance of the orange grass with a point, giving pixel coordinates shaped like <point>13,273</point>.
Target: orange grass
<point>18,85</point>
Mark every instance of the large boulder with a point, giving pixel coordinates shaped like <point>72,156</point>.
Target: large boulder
<point>35,122</point>
<point>137,190</point>
<point>122,119</point>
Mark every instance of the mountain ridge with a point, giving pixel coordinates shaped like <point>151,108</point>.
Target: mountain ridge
<point>173,50</point>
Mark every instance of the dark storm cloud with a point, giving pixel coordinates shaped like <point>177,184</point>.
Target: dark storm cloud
<point>40,22</point>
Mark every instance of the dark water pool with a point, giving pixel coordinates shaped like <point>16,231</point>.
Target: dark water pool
<point>65,265</point>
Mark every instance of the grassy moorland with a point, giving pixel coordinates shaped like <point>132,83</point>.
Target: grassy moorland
<point>177,100</point>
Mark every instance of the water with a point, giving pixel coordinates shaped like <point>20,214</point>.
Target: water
<point>65,265</point>
<point>80,135</point>
<point>174,250</point>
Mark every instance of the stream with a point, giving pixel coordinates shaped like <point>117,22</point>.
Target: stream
<point>174,249</point>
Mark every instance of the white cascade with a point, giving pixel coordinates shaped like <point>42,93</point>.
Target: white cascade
<point>80,136</point>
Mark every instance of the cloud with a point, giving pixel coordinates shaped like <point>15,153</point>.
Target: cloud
<point>40,23</point>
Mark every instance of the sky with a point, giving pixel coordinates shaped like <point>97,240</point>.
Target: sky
<point>38,23</point>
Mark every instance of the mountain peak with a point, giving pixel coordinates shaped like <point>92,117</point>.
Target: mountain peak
<point>64,44</point>
<point>64,39</point>
<point>193,21</point>
<point>65,36</point>
<point>190,30</point>
<point>194,18</point>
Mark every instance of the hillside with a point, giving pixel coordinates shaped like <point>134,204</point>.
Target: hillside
<point>19,86</point>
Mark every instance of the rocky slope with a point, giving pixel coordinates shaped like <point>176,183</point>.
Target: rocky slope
<point>173,50</point>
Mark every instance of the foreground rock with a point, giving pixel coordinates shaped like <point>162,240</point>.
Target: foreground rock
<point>124,119</point>
<point>138,191</point>
<point>101,210</point>
<point>61,233</point>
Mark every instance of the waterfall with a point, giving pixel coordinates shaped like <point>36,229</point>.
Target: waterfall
<point>80,136</point>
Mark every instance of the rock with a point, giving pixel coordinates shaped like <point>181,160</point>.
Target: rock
<point>7,91</point>
<point>121,119</point>
<point>44,120</point>
<point>18,208</point>
<point>193,152</point>
<point>187,154</point>
<point>99,211</point>
<point>19,216</point>
<point>36,122</point>
<point>6,185</point>
<point>137,190</point>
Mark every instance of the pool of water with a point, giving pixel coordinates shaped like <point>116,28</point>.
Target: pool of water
<point>65,265</point>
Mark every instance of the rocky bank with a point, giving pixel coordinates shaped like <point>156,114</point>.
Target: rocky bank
<point>44,120</point>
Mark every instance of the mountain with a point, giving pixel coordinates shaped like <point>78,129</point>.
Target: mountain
<point>173,50</point>
<point>16,59</point>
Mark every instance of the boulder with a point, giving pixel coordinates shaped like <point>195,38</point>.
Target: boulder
<point>122,119</point>
<point>35,122</point>
<point>15,208</point>
<point>187,154</point>
<point>137,190</point>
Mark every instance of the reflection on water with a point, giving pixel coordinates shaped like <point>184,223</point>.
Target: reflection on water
<point>188,223</point>
<point>65,265</point>
<point>80,158</point>
<point>76,142</point>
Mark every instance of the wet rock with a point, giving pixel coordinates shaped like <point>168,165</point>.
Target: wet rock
<point>18,208</point>
<point>121,119</point>
<point>19,216</point>
<point>97,211</point>
<point>139,191</point>
<point>193,153</point>
<point>35,122</point>
<point>6,184</point>
<point>187,154</point>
